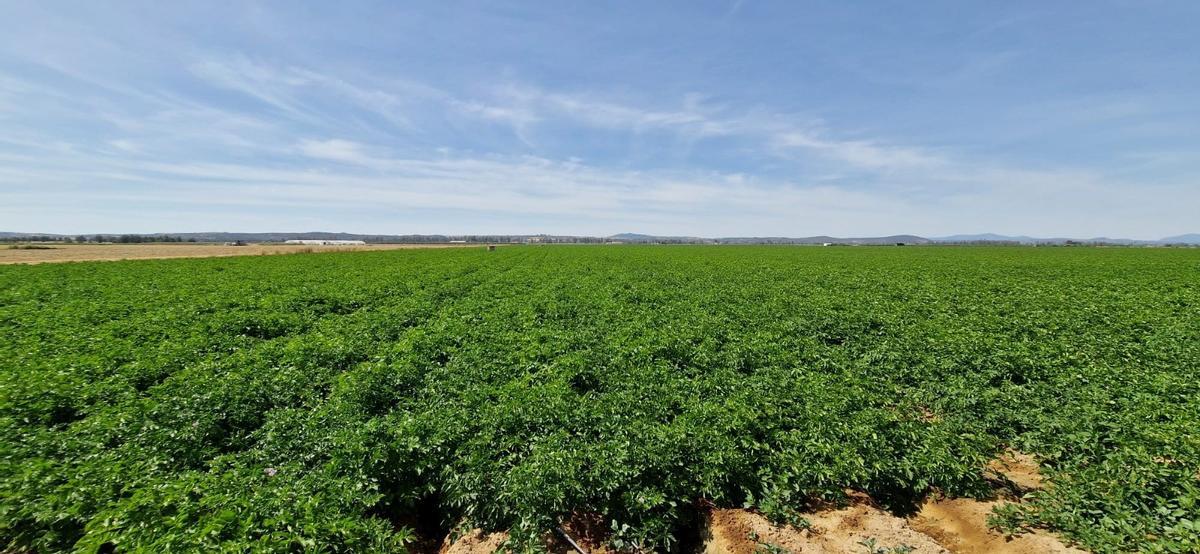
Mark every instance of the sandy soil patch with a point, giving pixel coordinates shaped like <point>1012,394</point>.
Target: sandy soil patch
<point>107,252</point>
<point>960,524</point>
<point>588,532</point>
<point>474,542</point>
<point>834,531</point>
<point>1015,470</point>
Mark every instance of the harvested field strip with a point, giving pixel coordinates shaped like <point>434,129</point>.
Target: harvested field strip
<point>113,252</point>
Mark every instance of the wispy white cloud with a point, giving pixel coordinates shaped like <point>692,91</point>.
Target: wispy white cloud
<point>337,150</point>
<point>735,7</point>
<point>514,115</point>
<point>125,145</point>
<point>861,153</point>
<point>524,107</point>
<point>779,134</point>
<point>597,112</point>
<point>508,187</point>
<point>259,81</point>
<point>594,199</point>
<point>909,185</point>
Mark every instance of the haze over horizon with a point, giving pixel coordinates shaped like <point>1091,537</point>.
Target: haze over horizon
<point>742,118</point>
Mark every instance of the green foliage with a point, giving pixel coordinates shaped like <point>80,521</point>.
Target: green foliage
<point>871,546</point>
<point>333,402</point>
<point>765,547</point>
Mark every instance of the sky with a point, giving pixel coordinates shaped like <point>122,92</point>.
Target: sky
<point>731,118</point>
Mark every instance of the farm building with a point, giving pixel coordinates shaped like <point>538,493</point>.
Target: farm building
<point>327,242</point>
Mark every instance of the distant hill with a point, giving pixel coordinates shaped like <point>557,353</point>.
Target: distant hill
<point>986,237</point>
<point>1191,238</point>
<point>638,237</point>
<point>822,239</point>
<point>1024,239</point>
<point>632,236</point>
<point>11,235</point>
<point>311,235</point>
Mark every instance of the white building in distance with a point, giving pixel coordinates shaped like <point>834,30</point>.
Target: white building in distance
<point>327,242</point>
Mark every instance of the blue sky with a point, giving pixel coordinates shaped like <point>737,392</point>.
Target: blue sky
<point>707,118</point>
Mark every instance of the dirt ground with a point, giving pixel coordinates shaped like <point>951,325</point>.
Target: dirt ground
<point>840,531</point>
<point>93,252</point>
<point>586,531</point>
<point>474,542</point>
<point>960,524</point>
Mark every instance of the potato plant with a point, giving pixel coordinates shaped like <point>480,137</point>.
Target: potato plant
<point>349,402</point>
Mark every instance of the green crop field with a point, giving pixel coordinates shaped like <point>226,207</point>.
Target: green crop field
<point>343,402</point>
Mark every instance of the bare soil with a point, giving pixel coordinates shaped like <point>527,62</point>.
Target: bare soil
<point>832,531</point>
<point>585,529</point>
<point>1015,470</point>
<point>107,252</point>
<point>960,524</point>
<point>474,542</point>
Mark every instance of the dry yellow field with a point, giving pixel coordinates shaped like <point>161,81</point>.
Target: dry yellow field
<point>92,252</point>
